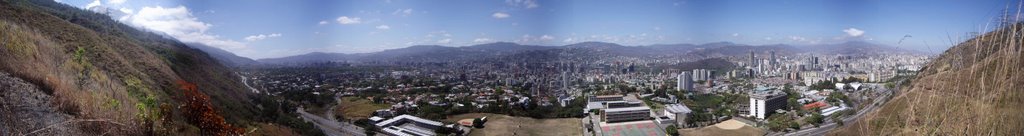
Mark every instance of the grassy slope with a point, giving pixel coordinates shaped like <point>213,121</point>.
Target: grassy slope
<point>357,108</point>
<point>99,68</point>
<point>973,88</point>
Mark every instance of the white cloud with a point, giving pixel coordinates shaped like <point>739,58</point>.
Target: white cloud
<point>797,38</point>
<point>444,41</point>
<point>735,34</point>
<point>116,2</point>
<point>853,32</point>
<point>546,37</point>
<point>500,15</point>
<point>481,40</point>
<point>522,3</point>
<point>383,27</point>
<point>348,20</point>
<point>403,12</point>
<point>93,4</point>
<point>323,22</point>
<point>179,23</point>
<point>568,40</point>
<point>261,37</point>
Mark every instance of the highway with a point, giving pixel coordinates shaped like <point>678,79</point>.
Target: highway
<point>331,127</point>
<point>824,129</point>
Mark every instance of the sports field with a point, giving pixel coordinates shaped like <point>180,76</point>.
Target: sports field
<point>504,125</point>
<point>638,128</point>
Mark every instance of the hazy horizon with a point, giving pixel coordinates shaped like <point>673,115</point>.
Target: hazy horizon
<point>249,29</point>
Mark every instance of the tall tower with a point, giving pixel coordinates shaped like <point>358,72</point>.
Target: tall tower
<point>772,61</point>
<point>685,81</point>
<point>753,61</point>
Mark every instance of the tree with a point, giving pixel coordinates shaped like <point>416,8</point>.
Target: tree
<point>199,111</point>
<point>369,132</point>
<point>838,120</point>
<point>671,130</point>
<point>478,123</point>
<point>794,125</point>
<point>816,119</point>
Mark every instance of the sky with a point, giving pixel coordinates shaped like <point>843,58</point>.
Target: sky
<point>278,28</point>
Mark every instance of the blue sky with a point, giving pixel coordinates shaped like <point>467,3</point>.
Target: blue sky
<point>277,28</point>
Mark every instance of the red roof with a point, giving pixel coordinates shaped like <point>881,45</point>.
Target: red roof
<point>818,104</point>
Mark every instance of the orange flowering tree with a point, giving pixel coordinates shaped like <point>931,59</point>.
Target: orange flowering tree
<point>199,111</point>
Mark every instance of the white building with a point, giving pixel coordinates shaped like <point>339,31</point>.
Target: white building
<point>406,125</point>
<point>764,102</point>
<point>677,112</point>
<point>685,82</point>
<point>627,114</point>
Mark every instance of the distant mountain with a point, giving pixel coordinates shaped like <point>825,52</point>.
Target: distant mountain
<point>224,57</point>
<point>420,53</point>
<point>974,88</point>
<point>858,48</point>
<point>436,53</point>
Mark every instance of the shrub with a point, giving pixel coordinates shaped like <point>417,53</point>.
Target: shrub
<point>198,111</point>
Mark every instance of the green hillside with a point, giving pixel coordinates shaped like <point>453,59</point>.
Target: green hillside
<point>111,78</point>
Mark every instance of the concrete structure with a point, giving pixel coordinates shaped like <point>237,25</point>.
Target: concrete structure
<point>599,102</point>
<point>753,61</point>
<point>627,114</point>
<point>623,104</point>
<point>830,111</point>
<point>406,125</point>
<point>702,74</point>
<point>764,102</point>
<point>685,82</point>
<point>677,112</point>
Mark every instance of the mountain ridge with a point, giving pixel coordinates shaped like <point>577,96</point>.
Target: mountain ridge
<point>498,49</point>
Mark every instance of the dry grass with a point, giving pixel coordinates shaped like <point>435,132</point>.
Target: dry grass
<point>715,131</point>
<point>357,108</point>
<point>971,89</point>
<point>78,89</point>
<point>503,125</point>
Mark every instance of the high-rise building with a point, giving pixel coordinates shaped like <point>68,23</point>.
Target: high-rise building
<point>702,74</point>
<point>685,81</point>
<point>753,61</point>
<point>772,60</point>
<point>764,102</point>
<point>565,80</point>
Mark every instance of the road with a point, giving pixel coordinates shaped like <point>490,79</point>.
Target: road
<point>824,129</point>
<point>244,81</point>
<point>331,127</point>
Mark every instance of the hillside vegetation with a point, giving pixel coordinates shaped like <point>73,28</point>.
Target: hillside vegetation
<point>973,88</point>
<point>110,78</point>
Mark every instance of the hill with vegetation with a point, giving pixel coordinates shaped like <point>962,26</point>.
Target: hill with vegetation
<point>973,88</point>
<point>97,76</point>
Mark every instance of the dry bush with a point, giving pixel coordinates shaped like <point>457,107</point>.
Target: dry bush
<point>198,111</point>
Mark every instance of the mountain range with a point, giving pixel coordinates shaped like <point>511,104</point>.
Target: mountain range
<point>437,53</point>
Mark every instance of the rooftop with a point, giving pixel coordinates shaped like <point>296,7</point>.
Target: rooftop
<point>627,109</point>
<point>677,108</point>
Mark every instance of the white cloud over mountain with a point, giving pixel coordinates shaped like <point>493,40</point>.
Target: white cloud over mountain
<point>853,32</point>
<point>261,37</point>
